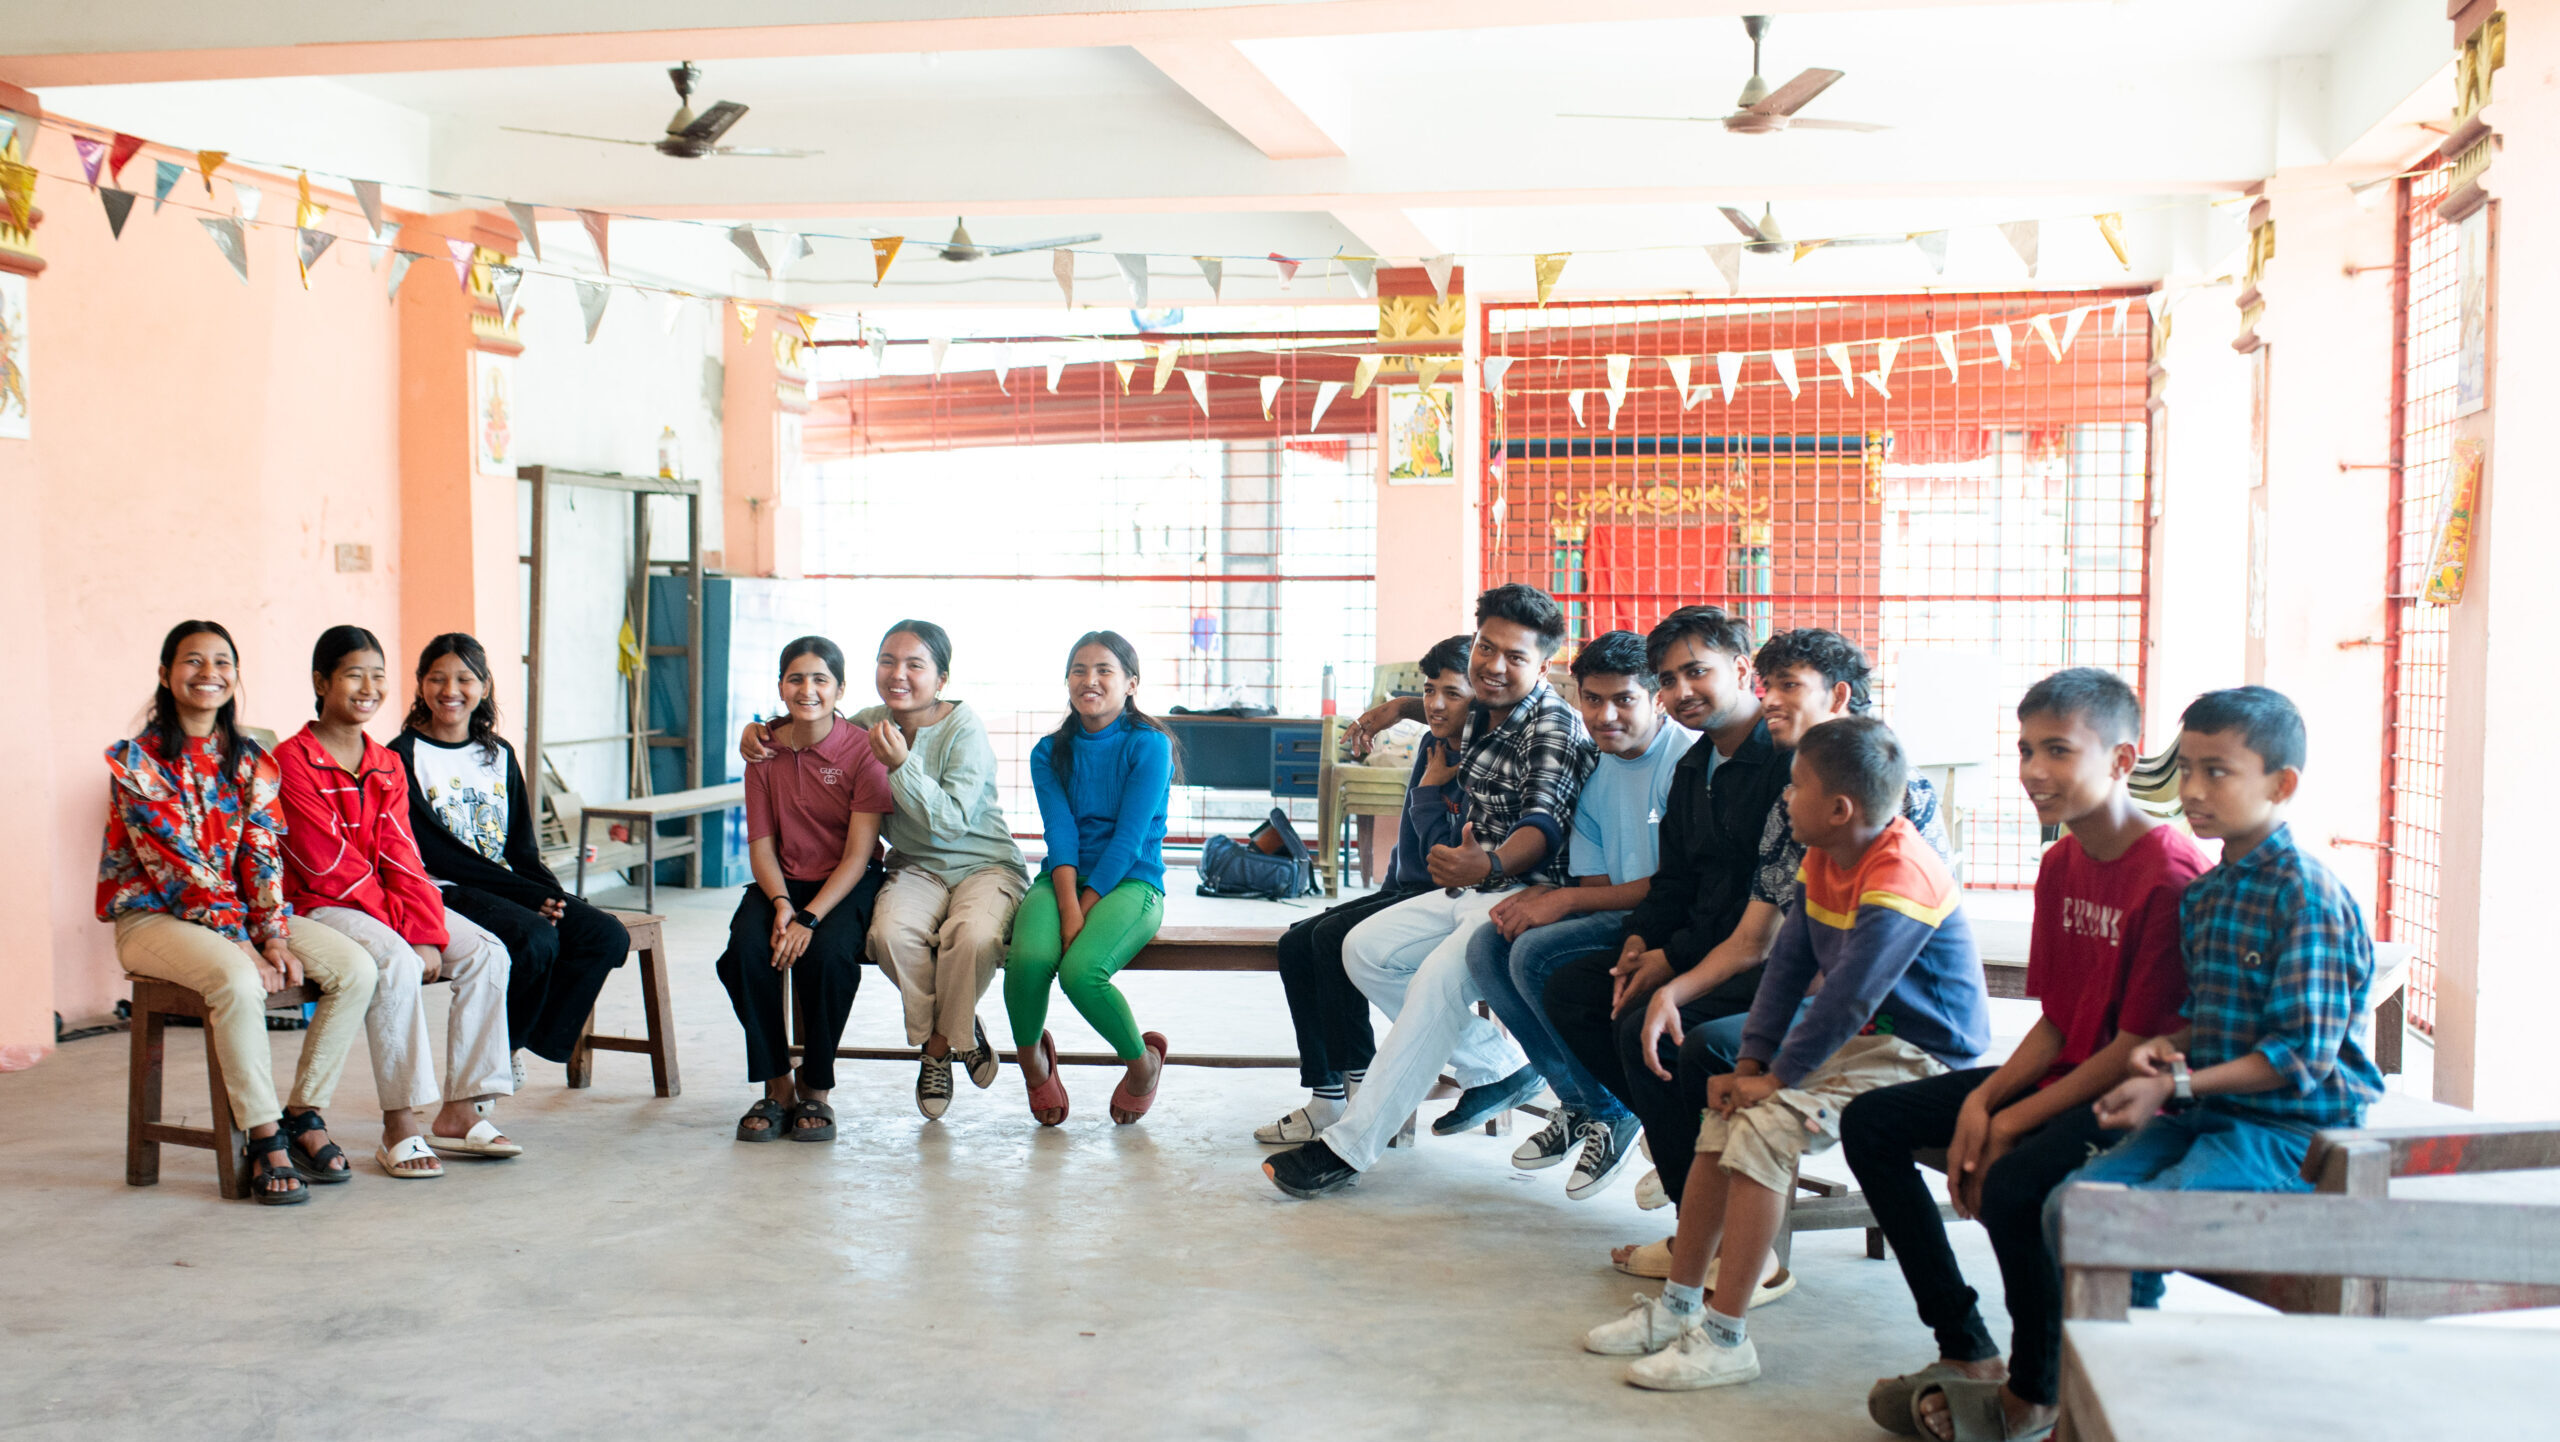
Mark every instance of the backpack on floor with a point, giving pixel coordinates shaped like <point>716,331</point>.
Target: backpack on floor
<point>1272,863</point>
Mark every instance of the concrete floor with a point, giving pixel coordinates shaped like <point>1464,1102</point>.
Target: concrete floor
<point>640,1274</point>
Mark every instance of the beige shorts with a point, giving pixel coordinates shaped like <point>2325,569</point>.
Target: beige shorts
<point>1764,1142</point>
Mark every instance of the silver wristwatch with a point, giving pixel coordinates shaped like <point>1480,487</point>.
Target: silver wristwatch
<point>2181,1082</point>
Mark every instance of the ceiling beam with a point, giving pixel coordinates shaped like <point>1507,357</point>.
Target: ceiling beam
<point>392,53</point>
<point>1233,88</point>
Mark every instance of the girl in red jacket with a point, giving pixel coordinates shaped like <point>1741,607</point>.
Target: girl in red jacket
<point>352,866</point>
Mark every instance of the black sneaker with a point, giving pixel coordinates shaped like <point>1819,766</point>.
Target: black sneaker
<point>1553,1143</point>
<point>1607,1147</point>
<point>1310,1171</point>
<point>980,1059</point>
<point>1478,1105</point>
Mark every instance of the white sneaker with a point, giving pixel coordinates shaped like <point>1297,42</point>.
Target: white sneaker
<point>1552,1144</point>
<point>1303,1125</point>
<point>1695,1361</point>
<point>1648,1326</point>
<point>1649,1192</point>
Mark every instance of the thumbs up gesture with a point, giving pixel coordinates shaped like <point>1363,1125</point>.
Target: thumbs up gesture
<point>1464,864</point>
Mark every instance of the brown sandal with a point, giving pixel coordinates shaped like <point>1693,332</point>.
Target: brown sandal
<point>1125,1108</point>
<point>1050,1095</point>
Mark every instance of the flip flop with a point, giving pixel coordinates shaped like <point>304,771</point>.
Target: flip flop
<point>1126,1109</point>
<point>395,1157</point>
<point>771,1113</point>
<point>483,1140</point>
<point>1889,1401</point>
<point>1652,1260</point>
<point>1973,1405</point>
<point>824,1131</point>
<point>1050,1095</point>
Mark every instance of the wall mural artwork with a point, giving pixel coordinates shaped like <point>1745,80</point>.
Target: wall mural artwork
<point>15,413</point>
<point>1422,435</point>
<point>493,413</point>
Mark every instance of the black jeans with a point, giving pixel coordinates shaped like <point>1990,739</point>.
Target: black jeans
<point>1612,1048</point>
<point>1329,1014</point>
<point>823,980</point>
<point>1881,1129</point>
<point>554,969</point>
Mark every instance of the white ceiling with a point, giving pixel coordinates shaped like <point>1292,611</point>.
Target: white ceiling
<point>1449,126</point>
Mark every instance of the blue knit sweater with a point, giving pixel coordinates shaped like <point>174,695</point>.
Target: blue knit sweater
<point>1107,821</point>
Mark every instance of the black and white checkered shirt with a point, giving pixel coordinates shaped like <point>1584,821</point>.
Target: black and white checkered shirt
<point>1528,771</point>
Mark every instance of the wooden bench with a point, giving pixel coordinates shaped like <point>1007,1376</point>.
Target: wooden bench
<point>657,1005</point>
<point>154,1002</point>
<point>649,811</point>
<point>2248,1378</point>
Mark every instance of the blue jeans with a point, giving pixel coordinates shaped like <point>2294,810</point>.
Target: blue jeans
<point>2202,1149</point>
<point>1512,977</point>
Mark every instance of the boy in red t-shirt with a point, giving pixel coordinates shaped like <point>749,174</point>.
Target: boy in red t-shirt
<point>2104,961</point>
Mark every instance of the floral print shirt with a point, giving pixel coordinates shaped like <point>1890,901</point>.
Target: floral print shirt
<point>185,839</point>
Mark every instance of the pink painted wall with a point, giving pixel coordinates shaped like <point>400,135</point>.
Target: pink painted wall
<point>200,448</point>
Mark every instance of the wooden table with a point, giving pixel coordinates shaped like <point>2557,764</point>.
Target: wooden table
<point>649,811</point>
<point>2174,1377</point>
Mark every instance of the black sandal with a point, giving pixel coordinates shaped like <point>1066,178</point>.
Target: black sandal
<point>773,1116</point>
<point>263,1171</point>
<point>825,1131</point>
<point>314,1166</point>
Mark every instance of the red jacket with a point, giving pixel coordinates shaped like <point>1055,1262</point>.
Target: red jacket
<point>347,839</point>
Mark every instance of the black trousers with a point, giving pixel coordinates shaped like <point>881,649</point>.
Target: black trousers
<point>1330,1015</point>
<point>1881,1129</point>
<point>822,981</point>
<point>554,969</point>
<point>1612,1048</point>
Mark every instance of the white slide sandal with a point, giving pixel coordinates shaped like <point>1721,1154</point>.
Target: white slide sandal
<point>396,1159</point>
<point>483,1140</point>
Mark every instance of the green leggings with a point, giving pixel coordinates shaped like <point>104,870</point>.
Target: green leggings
<point>1114,930</point>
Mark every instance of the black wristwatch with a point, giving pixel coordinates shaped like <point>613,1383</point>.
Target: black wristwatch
<point>807,918</point>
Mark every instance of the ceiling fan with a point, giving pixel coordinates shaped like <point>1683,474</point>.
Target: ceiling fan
<point>960,249</point>
<point>1760,110</point>
<point>689,136</point>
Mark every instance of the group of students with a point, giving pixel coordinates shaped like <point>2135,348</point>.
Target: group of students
<point>1718,917</point>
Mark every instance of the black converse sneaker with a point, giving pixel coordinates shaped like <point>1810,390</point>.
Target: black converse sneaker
<point>1550,1145</point>
<point>1607,1147</point>
<point>933,1086</point>
<point>979,1059</point>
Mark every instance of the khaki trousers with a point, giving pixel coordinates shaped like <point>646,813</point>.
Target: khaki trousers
<point>943,942</point>
<point>204,961</point>
<point>477,1059</point>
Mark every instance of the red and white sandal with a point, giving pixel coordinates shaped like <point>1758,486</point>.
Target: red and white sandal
<point>1125,1108</point>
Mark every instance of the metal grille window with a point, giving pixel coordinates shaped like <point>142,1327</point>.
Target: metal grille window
<point>2425,340</point>
<point>1972,508</point>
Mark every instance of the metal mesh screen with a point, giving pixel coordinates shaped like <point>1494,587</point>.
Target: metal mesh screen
<point>1967,509</point>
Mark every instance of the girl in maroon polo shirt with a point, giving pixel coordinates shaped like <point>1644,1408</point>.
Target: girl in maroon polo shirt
<point>813,830</point>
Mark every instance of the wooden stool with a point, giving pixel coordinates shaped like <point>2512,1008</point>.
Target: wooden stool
<point>154,1002</point>
<point>656,1003</point>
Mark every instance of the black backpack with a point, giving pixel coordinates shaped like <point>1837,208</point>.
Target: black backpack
<point>1229,867</point>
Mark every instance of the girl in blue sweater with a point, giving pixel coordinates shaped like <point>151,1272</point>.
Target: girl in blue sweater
<point>1102,778</point>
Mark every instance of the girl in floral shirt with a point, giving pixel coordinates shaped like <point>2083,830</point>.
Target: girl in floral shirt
<point>192,877</point>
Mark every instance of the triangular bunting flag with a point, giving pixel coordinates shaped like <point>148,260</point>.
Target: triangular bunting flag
<point>2071,328</point>
<point>1886,350</point>
<point>2000,341</point>
<point>1805,248</point>
<point>385,241</point>
<point>1573,401</point>
<point>1946,340</point>
<point>164,178</point>
<point>1198,380</point>
<point>1619,367</point>
<point>1496,368</point>
<point>1062,265</point>
<point>1615,401</point>
<point>119,204</point>
<point>400,262</point>
<point>308,244</point>
<point>1057,368</point>
<point>2121,307</point>
<point>207,162</point>
<point>599,230</point>
<point>884,253</point>
<point>1784,362</point>
<point>2156,301</point>
<point>670,310</point>
<point>1427,369</point>
<point>369,200</point>
<point>228,238</point>
<point>247,200</point>
<point>1932,245</point>
<point>1288,268</point>
<point>1678,365</point>
<point>1214,271</point>
<point>1550,269</point>
<point>1165,357</point>
<point>18,186</point>
<point>937,348</point>
<point>1270,388</point>
<point>2111,229</point>
<point>1728,259</point>
<point>2042,325</point>
<point>1876,379</point>
<point>795,249</point>
<point>1839,354</point>
<point>526,230</point>
<point>1364,274</point>
<point>120,154</point>
<point>1364,373</point>
<point>592,298</point>
<point>1133,269</point>
<point>2023,238</point>
<point>1125,368</point>
<point>1728,371</point>
<point>743,236</point>
<point>1003,369</point>
<point>461,251</point>
<point>1437,267</point>
<point>306,211</point>
<point>93,154</point>
<point>1325,392</point>
<point>506,282</point>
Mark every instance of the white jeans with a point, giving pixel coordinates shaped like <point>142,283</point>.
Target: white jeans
<point>1410,960</point>
<point>395,1025</point>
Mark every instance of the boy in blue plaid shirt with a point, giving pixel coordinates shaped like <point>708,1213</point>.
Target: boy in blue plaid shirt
<point>2277,968</point>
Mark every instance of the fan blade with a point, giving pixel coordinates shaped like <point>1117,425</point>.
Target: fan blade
<point>1741,222</point>
<point>1683,119</point>
<point>1059,243</point>
<point>1862,126</point>
<point>570,135</point>
<point>765,152</point>
<point>710,125</point>
<point>1791,97</point>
